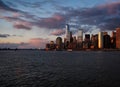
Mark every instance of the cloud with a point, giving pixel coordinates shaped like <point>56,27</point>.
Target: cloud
<point>9,19</point>
<point>4,35</point>
<point>18,22</point>
<point>23,25</point>
<point>38,42</point>
<point>105,17</point>
<point>16,15</point>
<point>58,32</point>
<point>56,21</point>
<point>3,6</point>
<point>8,35</point>
<point>33,43</point>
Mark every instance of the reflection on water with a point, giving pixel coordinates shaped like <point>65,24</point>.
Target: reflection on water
<point>59,69</point>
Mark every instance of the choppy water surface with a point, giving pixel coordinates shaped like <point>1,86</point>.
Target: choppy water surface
<point>59,69</point>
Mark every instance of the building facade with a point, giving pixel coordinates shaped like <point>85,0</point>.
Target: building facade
<point>118,38</point>
<point>100,40</point>
<point>59,43</point>
<point>67,33</point>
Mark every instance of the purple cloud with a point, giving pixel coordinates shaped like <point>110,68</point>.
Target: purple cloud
<point>23,25</point>
<point>58,32</point>
<point>34,43</point>
<point>105,17</point>
<point>56,21</point>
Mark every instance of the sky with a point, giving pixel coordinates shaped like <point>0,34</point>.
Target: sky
<point>33,23</point>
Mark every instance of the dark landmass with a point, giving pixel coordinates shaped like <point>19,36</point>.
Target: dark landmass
<point>2,49</point>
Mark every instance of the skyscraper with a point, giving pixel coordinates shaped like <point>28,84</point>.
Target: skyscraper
<point>113,40</point>
<point>86,43</point>
<point>118,38</point>
<point>67,33</point>
<point>58,43</point>
<point>80,39</point>
<point>80,36</point>
<point>100,40</point>
<point>94,41</point>
<point>87,37</point>
<point>106,41</point>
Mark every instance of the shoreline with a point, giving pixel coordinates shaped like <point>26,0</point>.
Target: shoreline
<point>64,49</point>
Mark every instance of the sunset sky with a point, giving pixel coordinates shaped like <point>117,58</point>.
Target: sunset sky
<point>33,23</point>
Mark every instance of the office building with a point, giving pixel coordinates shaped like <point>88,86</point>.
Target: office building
<point>47,46</point>
<point>94,41</point>
<point>106,41</point>
<point>80,36</point>
<point>113,40</point>
<point>52,45</point>
<point>100,40</point>
<point>118,38</point>
<point>67,33</point>
<point>87,37</point>
<point>58,43</point>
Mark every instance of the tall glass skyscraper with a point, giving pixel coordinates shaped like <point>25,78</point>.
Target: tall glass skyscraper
<point>80,36</point>
<point>100,40</point>
<point>67,33</point>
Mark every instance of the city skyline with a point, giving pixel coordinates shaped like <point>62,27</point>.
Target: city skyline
<point>32,24</point>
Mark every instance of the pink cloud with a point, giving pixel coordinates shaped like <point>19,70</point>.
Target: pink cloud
<point>23,25</point>
<point>112,8</point>
<point>54,18</point>
<point>58,17</point>
<point>34,43</point>
<point>58,32</point>
<point>56,21</point>
<point>17,22</point>
<point>16,14</point>
<point>38,42</point>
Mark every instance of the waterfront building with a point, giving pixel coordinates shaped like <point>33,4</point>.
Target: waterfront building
<point>113,40</point>
<point>59,43</point>
<point>80,39</point>
<point>94,41</point>
<point>66,43</point>
<point>106,41</point>
<point>80,36</point>
<point>100,40</point>
<point>52,45</point>
<point>113,34</point>
<point>105,33</point>
<point>67,33</point>
<point>71,38</point>
<point>86,43</point>
<point>87,37</point>
<point>118,38</point>
<point>47,46</point>
<point>74,39</point>
<point>80,45</point>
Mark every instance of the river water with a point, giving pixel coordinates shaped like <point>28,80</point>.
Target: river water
<point>34,68</point>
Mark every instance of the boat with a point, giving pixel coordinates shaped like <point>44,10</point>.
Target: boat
<point>69,50</point>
